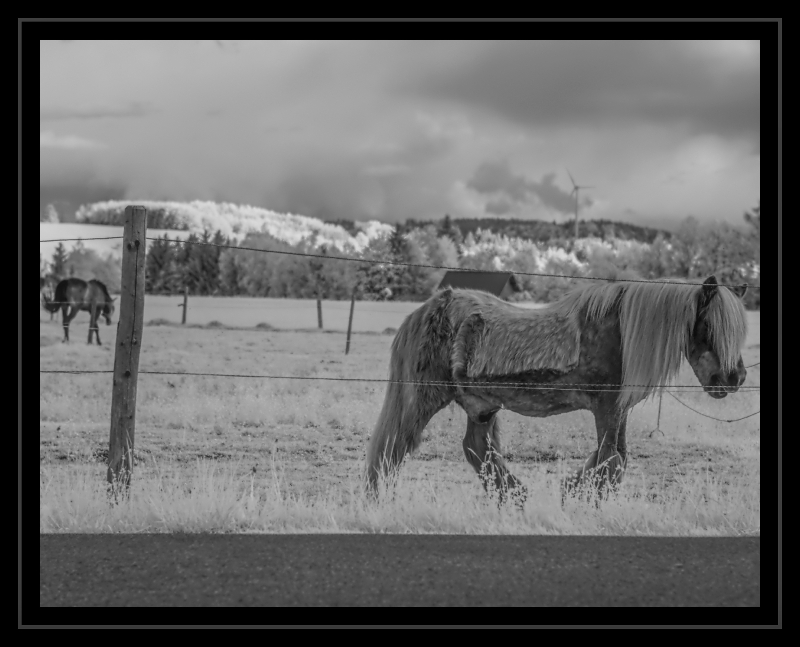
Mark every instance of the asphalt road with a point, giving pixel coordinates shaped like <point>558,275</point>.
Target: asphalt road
<point>397,570</point>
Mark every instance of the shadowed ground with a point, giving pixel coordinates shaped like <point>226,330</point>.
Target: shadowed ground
<point>397,570</point>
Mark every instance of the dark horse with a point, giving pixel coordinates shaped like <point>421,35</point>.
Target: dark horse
<point>603,348</point>
<point>76,295</point>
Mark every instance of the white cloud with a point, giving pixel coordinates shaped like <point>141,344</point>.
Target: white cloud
<point>48,139</point>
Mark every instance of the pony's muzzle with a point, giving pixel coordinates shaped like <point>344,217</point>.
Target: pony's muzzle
<point>719,387</point>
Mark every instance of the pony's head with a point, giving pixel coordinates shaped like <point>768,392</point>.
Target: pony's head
<point>715,345</point>
<point>108,310</point>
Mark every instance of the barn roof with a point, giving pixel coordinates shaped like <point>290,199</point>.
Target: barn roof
<point>492,282</point>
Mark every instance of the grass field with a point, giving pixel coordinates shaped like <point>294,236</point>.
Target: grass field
<point>258,455</point>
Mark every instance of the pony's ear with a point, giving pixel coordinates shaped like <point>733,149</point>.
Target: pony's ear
<point>710,287</point>
<point>740,290</point>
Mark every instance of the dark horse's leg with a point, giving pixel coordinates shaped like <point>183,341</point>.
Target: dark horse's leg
<point>94,316</point>
<point>605,466</point>
<point>66,317</point>
<point>482,448</point>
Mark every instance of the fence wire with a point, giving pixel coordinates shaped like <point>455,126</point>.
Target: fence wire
<point>705,415</point>
<point>568,386</point>
<point>532,386</point>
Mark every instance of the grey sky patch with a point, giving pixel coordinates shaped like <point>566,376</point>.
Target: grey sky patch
<point>133,109</point>
<point>568,83</point>
<point>498,207</point>
<point>493,178</point>
<point>49,139</point>
<point>396,130</point>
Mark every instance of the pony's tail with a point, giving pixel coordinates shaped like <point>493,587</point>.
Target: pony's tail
<point>61,295</point>
<point>391,439</point>
<point>420,354</point>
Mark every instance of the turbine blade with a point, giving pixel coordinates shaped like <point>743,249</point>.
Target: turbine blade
<point>571,178</point>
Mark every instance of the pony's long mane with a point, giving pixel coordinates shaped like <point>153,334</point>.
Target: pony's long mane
<point>656,325</point>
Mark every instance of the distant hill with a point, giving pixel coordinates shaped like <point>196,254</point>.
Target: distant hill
<point>235,221</point>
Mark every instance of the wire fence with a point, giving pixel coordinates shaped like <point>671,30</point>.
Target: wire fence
<point>254,307</point>
<point>587,387</point>
<point>705,415</point>
<point>546,386</point>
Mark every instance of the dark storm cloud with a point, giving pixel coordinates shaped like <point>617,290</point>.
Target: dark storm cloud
<point>497,179</point>
<point>595,82</point>
<point>399,129</point>
<point>499,207</point>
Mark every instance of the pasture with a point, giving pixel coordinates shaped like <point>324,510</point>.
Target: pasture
<point>258,455</point>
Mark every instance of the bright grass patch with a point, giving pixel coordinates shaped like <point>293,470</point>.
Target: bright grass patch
<point>213,499</point>
<point>254,455</point>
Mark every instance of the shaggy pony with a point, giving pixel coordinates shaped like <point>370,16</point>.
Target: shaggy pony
<point>603,348</point>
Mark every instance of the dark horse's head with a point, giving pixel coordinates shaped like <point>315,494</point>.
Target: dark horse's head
<point>714,350</point>
<point>108,310</point>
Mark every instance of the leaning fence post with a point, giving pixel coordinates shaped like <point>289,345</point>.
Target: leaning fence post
<point>185,301</point>
<point>658,420</point>
<point>350,322</point>
<point>126,355</point>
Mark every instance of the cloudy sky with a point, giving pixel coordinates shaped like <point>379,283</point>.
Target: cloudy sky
<point>416,129</point>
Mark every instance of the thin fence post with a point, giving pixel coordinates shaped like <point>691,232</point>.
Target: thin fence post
<point>350,322</point>
<point>185,301</point>
<point>319,313</point>
<point>658,420</point>
<point>128,344</point>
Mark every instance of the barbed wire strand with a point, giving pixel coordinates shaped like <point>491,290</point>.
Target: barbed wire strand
<point>705,415</point>
<point>576,386</point>
<point>267,309</point>
<point>432,267</point>
<point>67,240</point>
<point>385,262</point>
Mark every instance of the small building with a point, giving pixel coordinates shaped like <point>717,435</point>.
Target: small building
<point>501,284</point>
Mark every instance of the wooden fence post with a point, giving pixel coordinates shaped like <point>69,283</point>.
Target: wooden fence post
<point>185,301</point>
<point>350,322</point>
<point>319,313</point>
<point>126,356</point>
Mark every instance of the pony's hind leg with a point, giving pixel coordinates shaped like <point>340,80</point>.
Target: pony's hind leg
<point>482,449</point>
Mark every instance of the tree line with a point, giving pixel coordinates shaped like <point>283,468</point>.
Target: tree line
<point>693,252</point>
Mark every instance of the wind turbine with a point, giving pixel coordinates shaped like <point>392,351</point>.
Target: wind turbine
<point>576,190</point>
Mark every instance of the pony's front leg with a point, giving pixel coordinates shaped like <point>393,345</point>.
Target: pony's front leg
<point>605,467</point>
<point>482,449</point>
